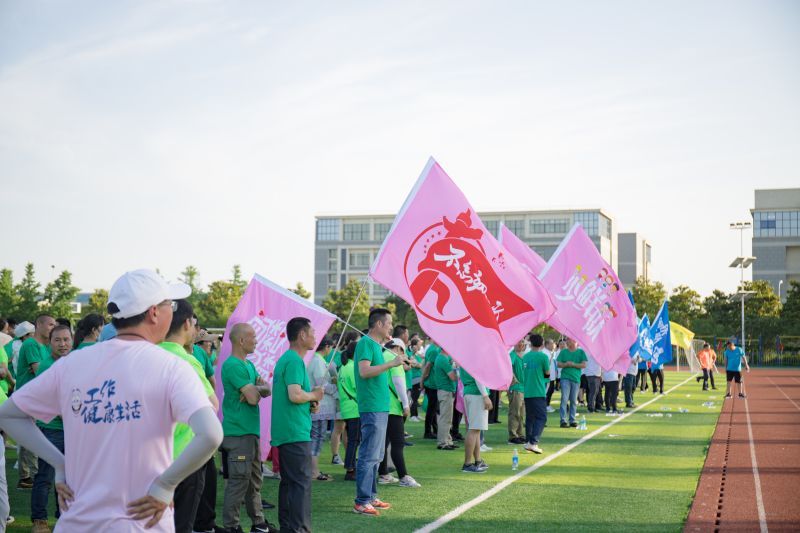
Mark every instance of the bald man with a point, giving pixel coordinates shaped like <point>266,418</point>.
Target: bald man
<point>241,425</point>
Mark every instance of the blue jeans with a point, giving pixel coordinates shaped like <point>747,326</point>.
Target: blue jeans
<point>43,481</point>
<point>569,393</point>
<point>535,419</point>
<point>370,455</point>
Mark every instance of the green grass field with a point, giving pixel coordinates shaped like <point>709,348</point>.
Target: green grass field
<point>638,475</point>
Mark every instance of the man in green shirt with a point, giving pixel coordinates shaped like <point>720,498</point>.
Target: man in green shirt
<point>189,492</point>
<point>570,360</point>
<point>477,406</point>
<point>59,346</point>
<point>31,353</point>
<point>444,376</point>
<point>536,369</point>
<point>516,399</point>
<point>431,428</point>
<point>293,401</point>
<point>372,393</point>
<point>241,426</point>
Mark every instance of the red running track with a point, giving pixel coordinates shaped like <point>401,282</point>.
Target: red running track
<point>734,494</point>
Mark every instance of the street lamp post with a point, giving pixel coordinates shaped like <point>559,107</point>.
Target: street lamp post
<point>780,282</point>
<point>741,263</point>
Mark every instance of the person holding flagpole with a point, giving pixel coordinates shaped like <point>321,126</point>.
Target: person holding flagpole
<point>372,393</point>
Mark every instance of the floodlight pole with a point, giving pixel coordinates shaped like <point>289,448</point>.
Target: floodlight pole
<point>741,226</point>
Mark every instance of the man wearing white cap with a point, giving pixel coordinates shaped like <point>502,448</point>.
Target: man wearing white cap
<point>120,401</point>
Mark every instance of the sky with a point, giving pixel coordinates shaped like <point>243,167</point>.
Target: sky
<point>163,134</point>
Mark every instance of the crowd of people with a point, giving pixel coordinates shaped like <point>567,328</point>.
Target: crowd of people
<point>133,403</point>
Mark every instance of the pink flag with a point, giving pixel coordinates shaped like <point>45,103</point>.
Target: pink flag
<point>268,307</point>
<point>534,264</point>
<point>590,300</point>
<point>470,295</point>
<point>621,365</point>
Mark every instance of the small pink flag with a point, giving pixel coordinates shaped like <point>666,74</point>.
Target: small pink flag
<point>268,307</point>
<point>590,299</point>
<point>621,365</point>
<point>472,297</point>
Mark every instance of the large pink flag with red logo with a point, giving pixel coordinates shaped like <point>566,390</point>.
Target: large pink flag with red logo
<point>532,262</point>
<point>590,299</point>
<point>268,307</point>
<point>472,297</point>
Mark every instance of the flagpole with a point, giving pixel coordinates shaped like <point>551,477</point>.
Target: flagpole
<point>349,316</point>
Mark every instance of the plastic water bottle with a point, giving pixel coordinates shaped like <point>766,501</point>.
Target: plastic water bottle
<point>582,423</point>
<point>515,460</point>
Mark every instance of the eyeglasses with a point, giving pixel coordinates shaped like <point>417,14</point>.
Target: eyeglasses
<point>172,303</point>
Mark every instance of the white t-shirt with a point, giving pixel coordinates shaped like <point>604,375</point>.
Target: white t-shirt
<point>119,401</point>
<point>633,369</point>
<point>553,366</point>
<point>610,375</point>
<point>593,367</point>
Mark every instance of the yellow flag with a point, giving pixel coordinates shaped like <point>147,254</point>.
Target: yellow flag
<point>680,335</point>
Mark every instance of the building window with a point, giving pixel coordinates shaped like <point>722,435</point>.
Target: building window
<point>550,226</point>
<point>492,226</point>
<point>605,227</point>
<point>588,220</point>
<point>332,282</point>
<point>381,230</point>
<point>359,260</point>
<point>356,232</point>
<point>332,259</point>
<point>328,229</point>
<point>517,226</point>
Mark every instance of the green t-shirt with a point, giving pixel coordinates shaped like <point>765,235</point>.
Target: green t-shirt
<point>470,385</point>
<point>57,423</point>
<point>204,360</point>
<point>30,352</point>
<point>442,367</point>
<point>577,357</point>
<point>430,357</point>
<point>3,382</point>
<point>395,406</point>
<point>238,417</point>
<point>373,393</point>
<point>84,345</point>
<point>516,369</point>
<point>183,433</point>
<point>348,405</point>
<point>291,422</point>
<point>535,365</point>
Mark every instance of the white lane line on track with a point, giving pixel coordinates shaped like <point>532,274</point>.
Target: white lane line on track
<point>762,515</point>
<point>784,394</point>
<point>463,508</point>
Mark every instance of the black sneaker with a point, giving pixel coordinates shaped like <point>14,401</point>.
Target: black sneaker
<point>573,424</point>
<point>408,443</point>
<point>350,475</point>
<point>264,527</point>
<point>25,483</point>
<point>564,425</point>
<point>266,505</point>
<point>742,395</point>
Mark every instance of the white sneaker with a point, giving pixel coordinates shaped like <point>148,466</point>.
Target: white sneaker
<point>387,479</point>
<point>408,481</point>
<point>535,449</point>
<point>485,448</point>
<point>527,447</point>
<point>337,460</point>
<point>550,409</point>
<point>415,419</point>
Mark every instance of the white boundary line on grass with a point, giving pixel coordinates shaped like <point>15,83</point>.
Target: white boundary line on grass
<point>463,508</point>
<point>784,394</point>
<point>762,515</point>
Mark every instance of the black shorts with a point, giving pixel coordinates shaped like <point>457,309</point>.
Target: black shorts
<point>734,375</point>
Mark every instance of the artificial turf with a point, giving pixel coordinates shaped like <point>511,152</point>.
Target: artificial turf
<point>638,475</point>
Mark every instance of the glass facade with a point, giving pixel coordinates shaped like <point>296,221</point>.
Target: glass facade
<point>332,259</point>
<point>551,226</point>
<point>328,229</point>
<point>356,231</point>
<point>776,224</point>
<point>517,226</point>
<point>381,230</point>
<point>359,260</point>
<point>493,226</point>
<point>589,221</point>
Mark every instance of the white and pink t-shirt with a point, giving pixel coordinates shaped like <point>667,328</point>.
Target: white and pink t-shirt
<point>120,401</point>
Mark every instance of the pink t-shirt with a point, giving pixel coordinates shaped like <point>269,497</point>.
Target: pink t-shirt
<point>120,401</point>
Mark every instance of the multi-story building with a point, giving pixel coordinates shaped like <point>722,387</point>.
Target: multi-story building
<point>345,246</point>
<point>634,259</point>
<point>776,237</point>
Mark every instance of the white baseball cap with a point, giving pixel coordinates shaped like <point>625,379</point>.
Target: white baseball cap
<point>23,328</point>
<point>136,291</point>
<point>399,342</point>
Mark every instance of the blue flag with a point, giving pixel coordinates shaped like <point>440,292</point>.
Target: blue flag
<point>662,341</point>
<point>643,347</point>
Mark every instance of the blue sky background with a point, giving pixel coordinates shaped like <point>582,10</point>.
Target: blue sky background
<point>210,133</point>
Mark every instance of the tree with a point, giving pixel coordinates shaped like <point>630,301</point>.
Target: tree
<point>189,276</point>
<point>237,277</point>
<point>685,306</point>
<point>28,295</point>
<point>648,296</point>
<point>790,314</point>
<point>720,317</point>
<point>764,302</point>
<point>59,295</point>
<point>8,295</point>
<point>404,313</point>
<point>98,302</point>
<point>219,303</point>
<point>301,291</point>
<point>340,302</point>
